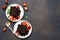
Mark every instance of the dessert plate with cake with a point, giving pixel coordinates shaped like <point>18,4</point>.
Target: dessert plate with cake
<point>22,29</point>
<point>14,12</point>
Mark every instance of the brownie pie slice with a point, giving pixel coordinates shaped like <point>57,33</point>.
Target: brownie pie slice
<point>14,11</point>
<point>22,30</point>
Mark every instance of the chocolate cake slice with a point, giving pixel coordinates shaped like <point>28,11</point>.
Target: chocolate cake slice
<point>14,11</point>
<point>22,30</point>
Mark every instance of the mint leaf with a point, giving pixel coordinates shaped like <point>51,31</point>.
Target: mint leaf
<point>8,11</point>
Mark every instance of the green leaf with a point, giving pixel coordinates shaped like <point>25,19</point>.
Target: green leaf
<point>8,11</point>
<point>26,17</point>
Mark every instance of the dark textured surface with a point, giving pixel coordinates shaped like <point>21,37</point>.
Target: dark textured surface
<point>44,15</point>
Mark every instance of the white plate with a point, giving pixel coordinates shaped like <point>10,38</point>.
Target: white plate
<point>21,13</point>
<point>16,26</point>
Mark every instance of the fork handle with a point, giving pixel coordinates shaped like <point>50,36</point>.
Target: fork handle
<point>10,29</point>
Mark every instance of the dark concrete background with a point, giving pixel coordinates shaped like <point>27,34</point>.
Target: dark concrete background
<point>44,15</point>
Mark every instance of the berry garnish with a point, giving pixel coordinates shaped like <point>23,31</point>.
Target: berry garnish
<point>18,17</point>
<point>17,33</point>
<point>6,1</point>
<point>26,8</point>
<point>29,27</point>
<point>4,7</point>
<point>17,6</point>
<point>4,29</point>
<point>24,4</point>
<point>24,23</point>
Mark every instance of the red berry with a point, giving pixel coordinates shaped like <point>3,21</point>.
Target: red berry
<point>17,6</point>
<point>18,17</point>
<point>4,29</point>
<point>24,23</point>
<point>13,18</point>
<point>17,33</point>
<point>29,27</point>
<point>24,4</point>
<point>4,7</point>
<point>26,8</point>
<point>6,1</point>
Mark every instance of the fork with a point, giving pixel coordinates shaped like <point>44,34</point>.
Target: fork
<point>8,24</point>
